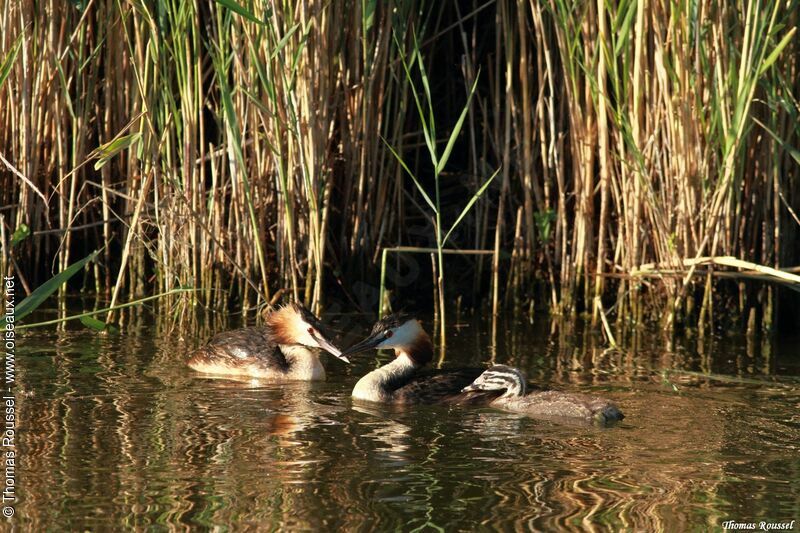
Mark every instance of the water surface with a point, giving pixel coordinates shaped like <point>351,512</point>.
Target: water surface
<point>115,432</point>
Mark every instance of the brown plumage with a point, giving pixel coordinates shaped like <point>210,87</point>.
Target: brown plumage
<point>285,348</point>
<point>248,351</point>
<point>559,404</point>
<point>513,395</point>
<point>419,347</point>
<point>443,386</point>
<point>405,380</point>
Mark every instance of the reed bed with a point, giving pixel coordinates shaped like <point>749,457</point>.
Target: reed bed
<point>248,150</point>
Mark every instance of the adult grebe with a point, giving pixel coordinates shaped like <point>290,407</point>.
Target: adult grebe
<point>548,404</point>
<point>401,381</point>
<point>284,349</point>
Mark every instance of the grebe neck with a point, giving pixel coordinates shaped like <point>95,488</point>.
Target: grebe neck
<point>379,385</point>
<point>304,363</point>
<point>516,389</point>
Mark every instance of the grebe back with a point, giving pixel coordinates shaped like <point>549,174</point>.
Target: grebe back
<point>403,380</point>
<point>550,404</point>
<point>284,349</point>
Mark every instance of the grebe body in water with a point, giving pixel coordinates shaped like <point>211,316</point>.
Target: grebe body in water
<point>405,380</point>
<point>546,404</point>
<point>284,349</point>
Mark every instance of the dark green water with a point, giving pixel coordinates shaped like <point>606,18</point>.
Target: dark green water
<point>116,433</point>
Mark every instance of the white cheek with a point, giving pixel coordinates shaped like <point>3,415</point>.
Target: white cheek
<point>308,340</point>
<point>403,336</point>
<point>303,336</point>
<point>388,343</point>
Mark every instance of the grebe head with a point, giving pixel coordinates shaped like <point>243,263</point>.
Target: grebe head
<point>294,324</point>
<point>499,377</point>
<point>400,332</point>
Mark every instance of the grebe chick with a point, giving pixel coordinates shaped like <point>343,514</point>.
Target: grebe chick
<point>403,381</point>
<point>549,404</point>
<point>284,349</point>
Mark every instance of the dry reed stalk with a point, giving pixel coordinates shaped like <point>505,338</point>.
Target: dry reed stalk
<point>629,133</point>
<point>603,149</point>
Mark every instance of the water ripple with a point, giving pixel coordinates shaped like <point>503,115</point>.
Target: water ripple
<point>118,433</point>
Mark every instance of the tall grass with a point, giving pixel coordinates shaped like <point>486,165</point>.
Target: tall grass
<point>235,147</point>
<point>661,102</point>
<point>649,147</point>
<point>438,160</point>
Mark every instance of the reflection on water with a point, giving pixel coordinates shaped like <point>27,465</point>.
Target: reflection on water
<point>116,432</point>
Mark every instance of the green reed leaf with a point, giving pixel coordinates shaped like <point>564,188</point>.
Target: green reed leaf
<point>8,62</point>
<point>41,293</point>
<point>456,129</point>
<point>282,43</point>
<point>470,204</point>
<point>429,141</point>
<point>241,10</point>
<point>773,56</point>
<point>411,174</point>
<point>110,149</point>
<point>20,234</point>
<point>97,325</point>
<point>794,152</point>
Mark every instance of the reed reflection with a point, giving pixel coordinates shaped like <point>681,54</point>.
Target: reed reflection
<point>117,431</point>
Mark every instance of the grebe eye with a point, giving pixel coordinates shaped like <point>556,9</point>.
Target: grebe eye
<point>310,331</point>
<point>388,333</point>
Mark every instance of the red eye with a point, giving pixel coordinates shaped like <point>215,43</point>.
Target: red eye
<point>311,331</point>
<point>388,334</point>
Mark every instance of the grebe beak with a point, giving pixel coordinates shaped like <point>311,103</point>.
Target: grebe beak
<point>328,346</point>
<point>369,343</point>
<point>471,387</point>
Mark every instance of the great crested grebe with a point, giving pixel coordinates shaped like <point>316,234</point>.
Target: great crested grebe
<point>401,381</point>
<point>549,404</point>
<point>284,349</point>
